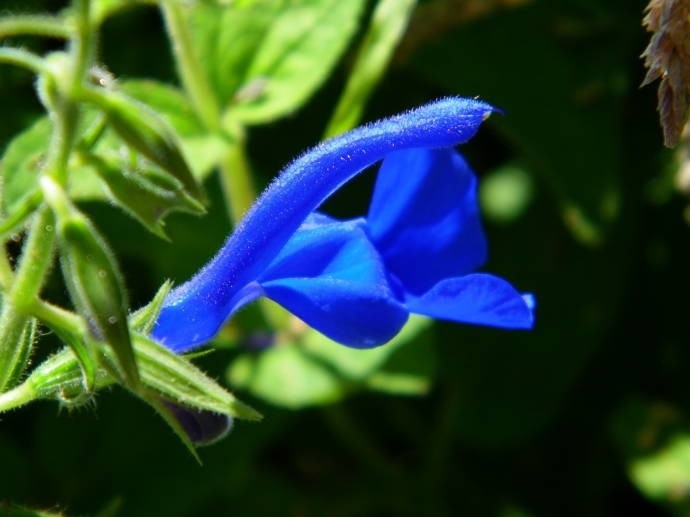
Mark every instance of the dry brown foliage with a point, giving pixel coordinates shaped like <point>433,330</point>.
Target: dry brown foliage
<point>668,57</point>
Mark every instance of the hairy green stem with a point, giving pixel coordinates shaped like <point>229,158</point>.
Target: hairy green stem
<point>22,58</point>
<point>17,397</point>
<point>193,78</point>
<point>37,254</point>
<point>81,46</point>
<point>34,25</point>
<point>35,261</point>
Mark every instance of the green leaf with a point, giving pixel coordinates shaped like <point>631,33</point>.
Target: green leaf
<point>505,193</point>
<point>103,9</point>
<point>270,56</point>
<point>385,30</point>
<point>201,149</point>
<point>21,164</point>
<point>136,192</point>
<point>654,440</point>
<point>317,371</point>
<point>409,370</point>
<point>145,131</point>
<point>21,352</point>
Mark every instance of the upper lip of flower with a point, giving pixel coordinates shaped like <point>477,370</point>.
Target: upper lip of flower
<point>355,281</point>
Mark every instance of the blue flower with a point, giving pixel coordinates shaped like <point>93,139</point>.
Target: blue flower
<point>357,281</point>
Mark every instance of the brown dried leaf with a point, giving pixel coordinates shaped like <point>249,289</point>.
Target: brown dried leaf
<point>667,57</point>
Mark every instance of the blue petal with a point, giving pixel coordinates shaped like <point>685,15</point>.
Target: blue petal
<point>479,298</point>
<point>320,244</point>
<point>424,217</point>
<point>331,277</point>
<point>203,303</point>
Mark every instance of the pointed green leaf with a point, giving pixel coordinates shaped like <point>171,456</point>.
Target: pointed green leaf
<point>145,318</point>
<point>134,191</point>
<point>21,352</point>
<point>144,130</point>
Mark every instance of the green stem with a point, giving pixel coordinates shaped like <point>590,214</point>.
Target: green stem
<point>20,214</point>
<point>22,58</point>
<point>236,181</point>
<point>35,261</point>
<point>34,25</point>
<point>17,397</point>
<point>81,46</point>
<point>57,318</point>
<point>37,254</point>
<point>193,77</point>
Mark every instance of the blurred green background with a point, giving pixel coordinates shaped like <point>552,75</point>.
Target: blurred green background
<point>586,415</point>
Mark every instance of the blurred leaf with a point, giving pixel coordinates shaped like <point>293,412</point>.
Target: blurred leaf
<point>505,193</point>
<point>562,108</point>
<point>12,510</point>
<point>654,440</point>
<point>316,371</point>
<point>136,192</point>
<point>385,30</point>
<point>280,50</point>
<point>22,162</point>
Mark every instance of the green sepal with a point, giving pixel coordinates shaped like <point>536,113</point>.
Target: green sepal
<point>171,376</point>
<point>145,131</point>
<point>146,195</point>
<point>145,318</point>
<point>61,378</point>
<point>180,381</point>
<point>93,279</point>
<point>88,361</point>
<point>21,353</point>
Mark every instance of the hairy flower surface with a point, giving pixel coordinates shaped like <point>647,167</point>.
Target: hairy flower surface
<point>356,281</point>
